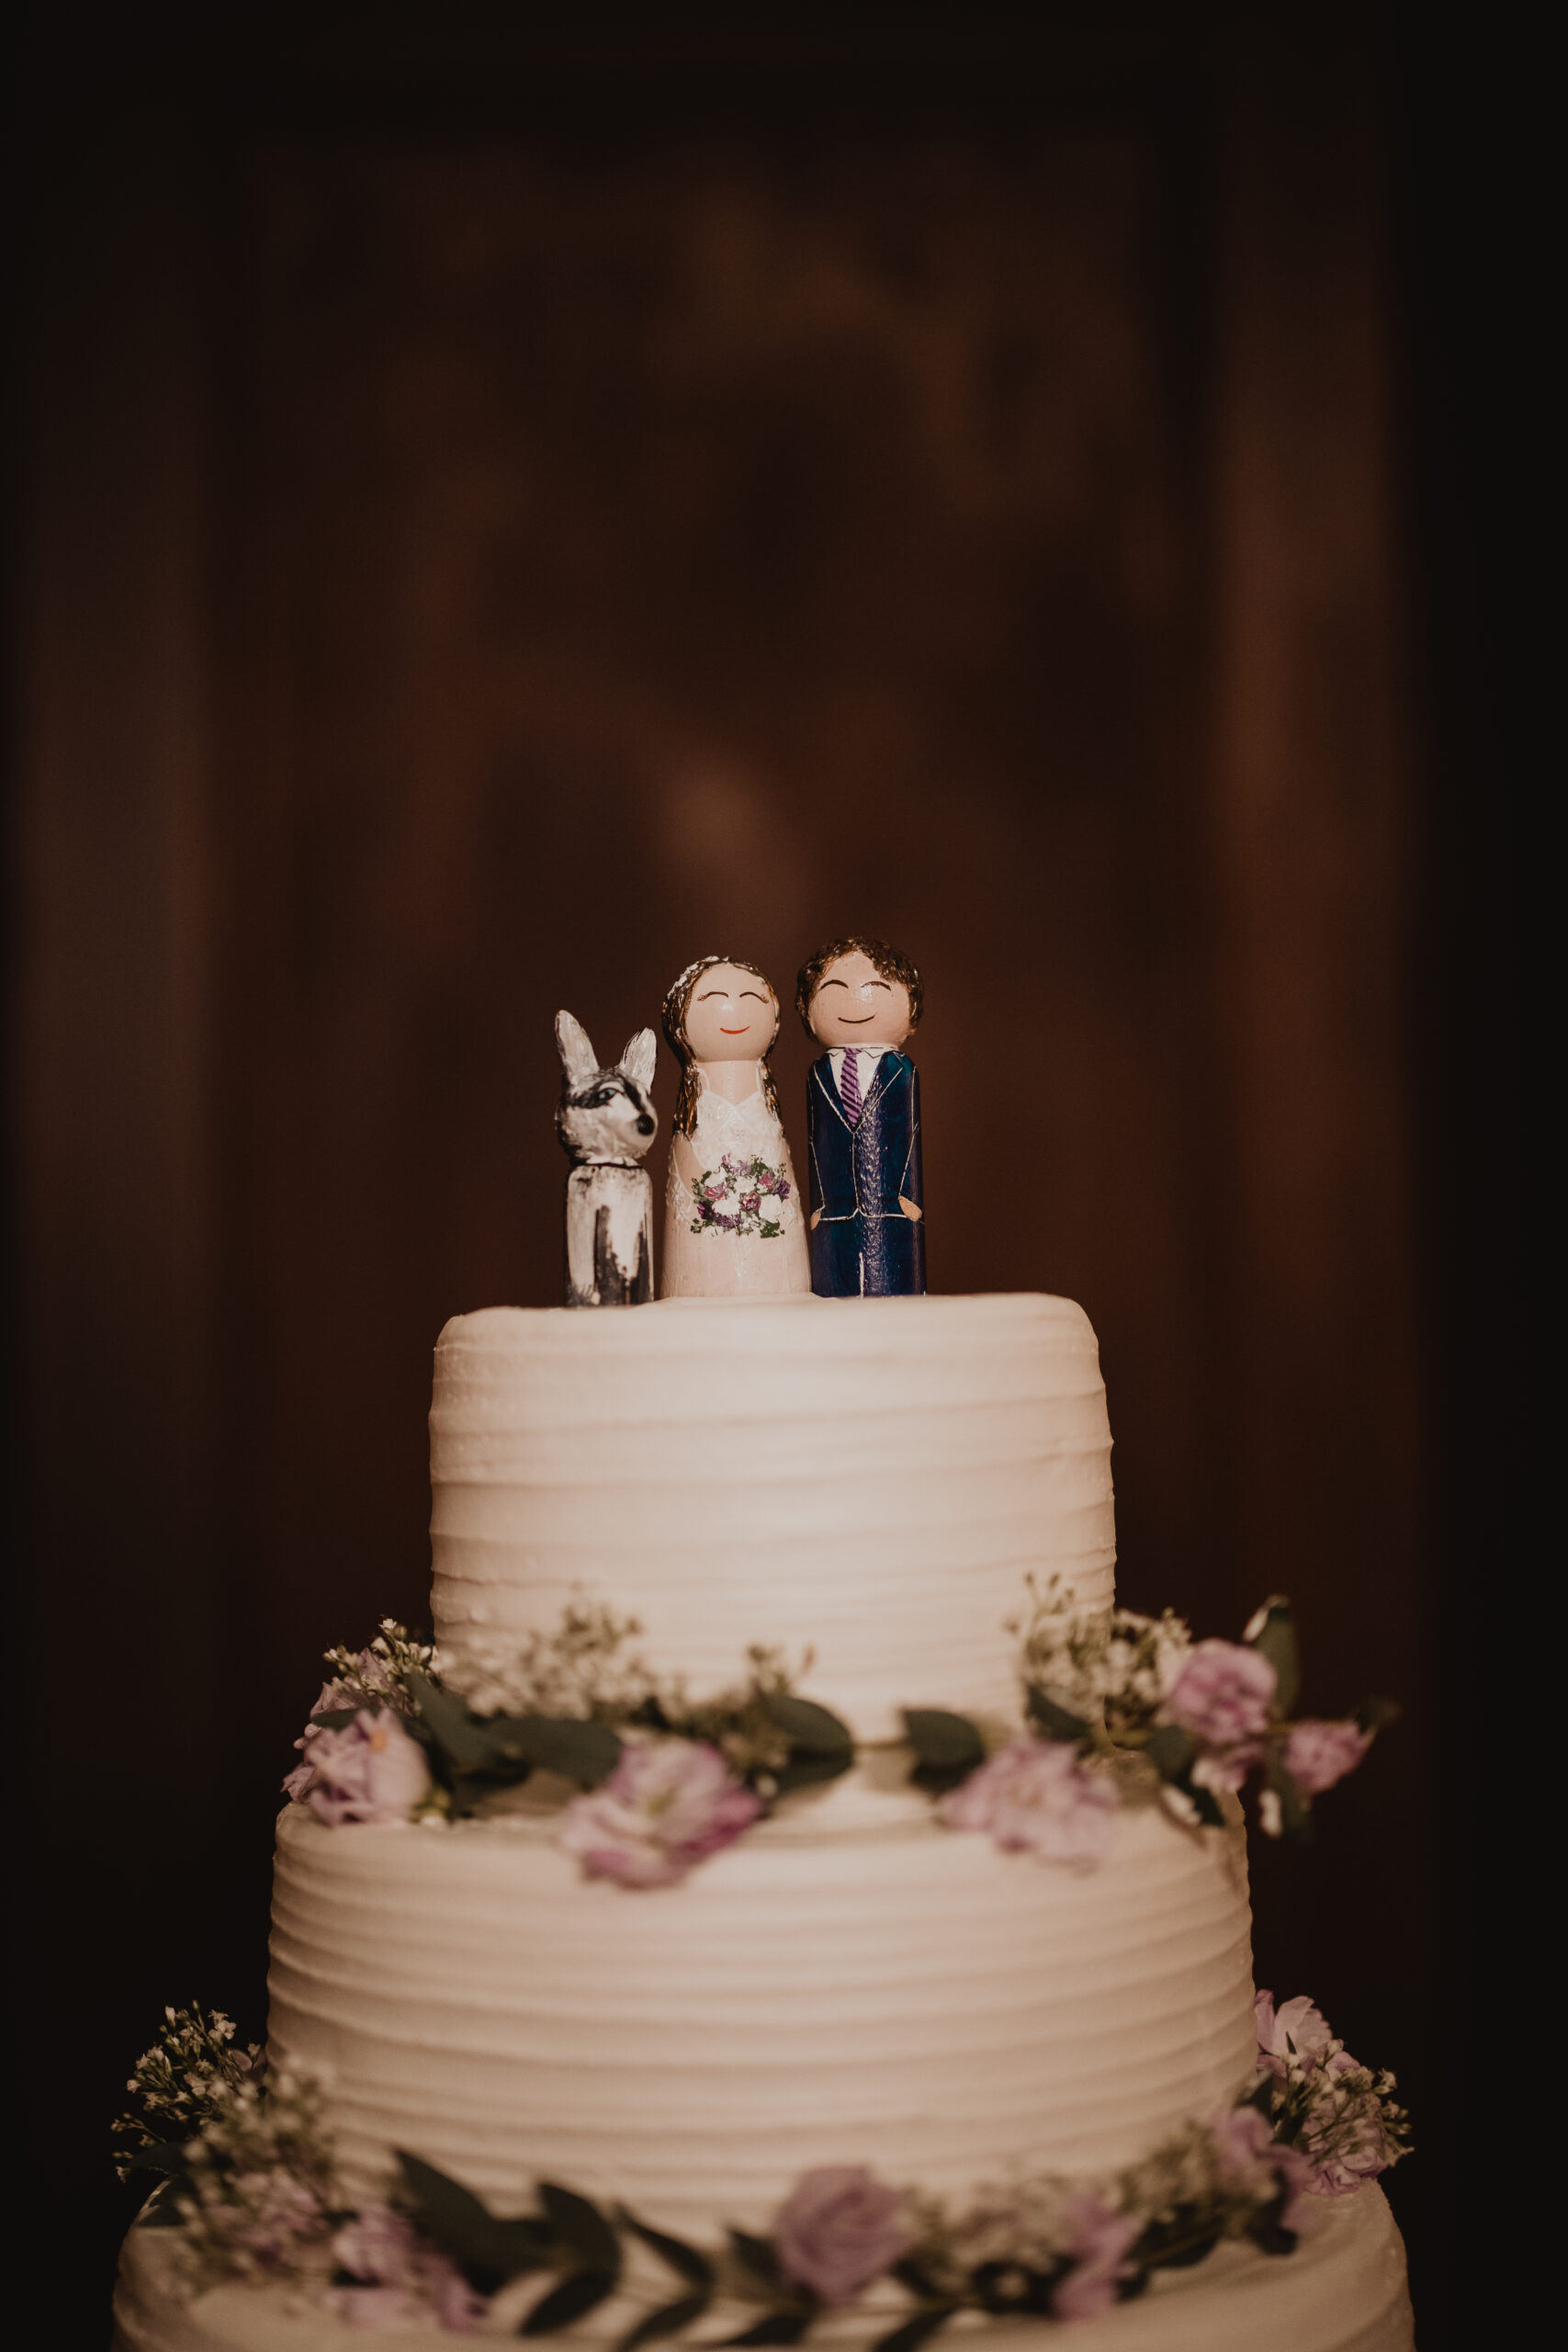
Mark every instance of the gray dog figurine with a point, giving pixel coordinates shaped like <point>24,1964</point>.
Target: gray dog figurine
<point>605,1123</point>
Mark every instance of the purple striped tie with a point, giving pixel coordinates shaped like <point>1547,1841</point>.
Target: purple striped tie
<point>849,1084</point>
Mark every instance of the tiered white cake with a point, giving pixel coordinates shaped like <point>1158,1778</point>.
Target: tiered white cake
<point>851,1983</point>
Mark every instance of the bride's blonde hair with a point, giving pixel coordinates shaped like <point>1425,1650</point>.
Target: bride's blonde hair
<point>677,1004</point>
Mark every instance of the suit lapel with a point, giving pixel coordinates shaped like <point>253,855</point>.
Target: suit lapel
<point>883,1077</point>
<point>824,1077</point>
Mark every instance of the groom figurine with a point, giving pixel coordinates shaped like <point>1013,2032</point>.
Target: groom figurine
<point>860,1000</point>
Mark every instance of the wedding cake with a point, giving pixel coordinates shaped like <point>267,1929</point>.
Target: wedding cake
<point>772,1975</point>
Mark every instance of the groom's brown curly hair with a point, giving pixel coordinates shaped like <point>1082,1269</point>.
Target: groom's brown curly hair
<point>885,960</point>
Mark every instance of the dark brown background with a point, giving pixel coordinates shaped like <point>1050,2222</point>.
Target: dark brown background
<point>503,514</point>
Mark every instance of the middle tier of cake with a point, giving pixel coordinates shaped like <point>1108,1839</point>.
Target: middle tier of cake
<point>851,1983</point>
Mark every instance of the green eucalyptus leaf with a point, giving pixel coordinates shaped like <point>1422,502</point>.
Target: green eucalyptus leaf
<point>756,2255</point>
<point>1207,1804</point>
<point>1054,1721</point>
<point>669,2320</point>
<point>168,2156</point>
<point>486,2249</point>
<point>915,2331</point>
<point>1295,1814</point>
<point>165,2215</point>
<point>339,1718</point>
<point>1275,1640</point>
<point>949,1742</point>
<point>806,1726</point>
<point>583,2292</point>
<point>582,1751</point>
<point>803,1772</point>
<point>453,1726</point>
<point>1374,1713</point>
<point>777,2327</point>
<point>686,2261</point>
<point>919,2282</point>
<point>1171,1749</point>
<point>580,2227</point>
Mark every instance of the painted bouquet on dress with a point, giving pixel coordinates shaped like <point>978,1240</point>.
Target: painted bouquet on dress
<point>1122,1709</point>
<point>740,1196</point>
<point>246,2176</point>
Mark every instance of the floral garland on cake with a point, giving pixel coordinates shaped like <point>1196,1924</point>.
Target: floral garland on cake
<point>246,2176</point>
<point>1118,1709</point>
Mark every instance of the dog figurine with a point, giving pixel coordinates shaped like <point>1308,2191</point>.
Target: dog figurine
<point>605,1123</point>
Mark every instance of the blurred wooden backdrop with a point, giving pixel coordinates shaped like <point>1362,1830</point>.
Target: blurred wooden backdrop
<point>502,517</point>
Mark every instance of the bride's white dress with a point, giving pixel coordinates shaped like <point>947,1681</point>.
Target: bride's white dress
<point>741,1232</point>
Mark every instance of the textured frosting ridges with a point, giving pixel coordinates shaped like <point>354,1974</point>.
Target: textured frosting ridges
<point>871,1479</point>
<point>908,1998</point>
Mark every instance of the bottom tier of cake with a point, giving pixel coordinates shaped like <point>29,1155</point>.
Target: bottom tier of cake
<point>1342,2291</point>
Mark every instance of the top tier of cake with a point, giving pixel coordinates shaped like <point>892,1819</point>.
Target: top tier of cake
<point>871,1480</point>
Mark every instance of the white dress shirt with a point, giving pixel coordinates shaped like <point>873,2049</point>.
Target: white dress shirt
<point>866,1060</point>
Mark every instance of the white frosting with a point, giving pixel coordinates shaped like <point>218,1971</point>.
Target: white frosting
<point>1342,2291</point>
<point>905,1997</point>
<point>871,1478</point>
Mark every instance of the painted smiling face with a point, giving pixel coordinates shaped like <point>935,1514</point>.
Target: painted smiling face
<point>733,1016</point>
<point>854,1004</point>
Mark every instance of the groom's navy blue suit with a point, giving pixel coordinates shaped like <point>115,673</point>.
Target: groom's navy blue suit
<point>863,1245</point>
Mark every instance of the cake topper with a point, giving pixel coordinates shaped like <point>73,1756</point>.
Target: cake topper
<point>605,1123</point>
<point>732,1224</point>
<point>860,998</point>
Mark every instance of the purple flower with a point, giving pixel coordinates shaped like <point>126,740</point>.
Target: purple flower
<point>838,2230</point>
<point>1034,1796</point>
<point>781,1186</point>
<point>668,1804</point>
<point>401,2280</point>
<point>1251,2162</point>
<point>1297,2029</point>
<point>1097,2238</point>
<point>1319,1753</point>
<point>372,1675</point>
<point>370,1770</point>
<point>1223,1693</point>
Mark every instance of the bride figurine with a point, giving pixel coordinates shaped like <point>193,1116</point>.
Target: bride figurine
<point>732,1221</point>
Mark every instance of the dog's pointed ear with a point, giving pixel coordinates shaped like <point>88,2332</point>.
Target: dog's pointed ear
<point>636,1062</point>
<point>577,1057</point>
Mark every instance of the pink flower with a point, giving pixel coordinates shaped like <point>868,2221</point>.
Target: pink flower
<point>750,1200</point>
<point>1034,1796</point>
<point>370,1770</point>
<point>401,2280</point>
<point>1319,1753</point>
<point>1297,2029</point>
<point>667,1804</point>
<point>838,2230</point>
<point>1097,2238</point>
<point>713,1192</point>
<point>1252,2163</point>
<point>1223,1693</point>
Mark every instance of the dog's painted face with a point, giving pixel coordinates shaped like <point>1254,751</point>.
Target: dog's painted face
<point>732,1017</point>
<point>606,1112</point>
<point>855,1005</point>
